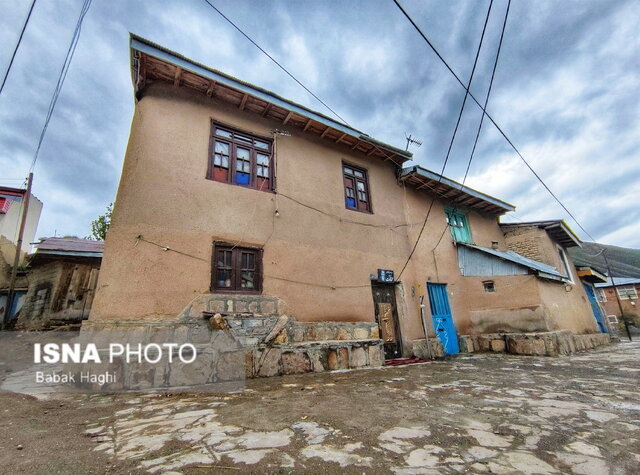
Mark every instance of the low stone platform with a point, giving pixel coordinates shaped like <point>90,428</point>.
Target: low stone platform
<point>554,343</point>
<point>298,347</point>
<point>313,357</point>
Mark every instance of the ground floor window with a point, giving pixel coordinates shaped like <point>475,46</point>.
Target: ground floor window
<point>236,269</point>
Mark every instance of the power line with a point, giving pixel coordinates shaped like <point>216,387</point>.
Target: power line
<point>62,76</point>
<point>486,102</point>
<point>453,137</point>
<point>504,135</point>
<point>13,56</point>
<point>274,60</point>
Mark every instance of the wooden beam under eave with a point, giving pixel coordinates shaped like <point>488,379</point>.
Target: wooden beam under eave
<point>287,118</point>
<point>325,132</point>
<point>307,125</point>
<point>177,76</point>
<point>341,137</point>
<point>373,149</point>
<point>211,89</point>
<point>243,102</point>
<point>267,109</point>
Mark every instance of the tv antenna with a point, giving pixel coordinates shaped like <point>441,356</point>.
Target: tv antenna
<point>412,141</point>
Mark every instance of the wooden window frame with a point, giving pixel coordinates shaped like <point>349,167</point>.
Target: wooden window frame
<point>564,259</point>
<point>629,292</point>
<point>236,269</point>
<point>233,142</point>
<point>365,180</point>
<point>448,213</point>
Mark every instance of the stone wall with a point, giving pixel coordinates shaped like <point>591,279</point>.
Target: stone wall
<point>554,343</point>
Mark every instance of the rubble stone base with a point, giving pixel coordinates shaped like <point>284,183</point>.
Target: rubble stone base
<point>554,343</point>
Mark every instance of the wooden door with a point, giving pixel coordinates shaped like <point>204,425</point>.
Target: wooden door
<point>384,301</point>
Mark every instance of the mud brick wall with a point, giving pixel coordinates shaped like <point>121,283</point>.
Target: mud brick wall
<point>526,241</point>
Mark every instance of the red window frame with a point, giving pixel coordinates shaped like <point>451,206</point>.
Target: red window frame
<point>356,188</point>
<point>240,158</point>
<point>233,266</point>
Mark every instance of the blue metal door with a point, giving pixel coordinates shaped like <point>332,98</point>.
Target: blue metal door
<point>442,318</point>
<point>595,308</point>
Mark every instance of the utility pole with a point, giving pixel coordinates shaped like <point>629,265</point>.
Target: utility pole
<point>16,260</point>
<point>615,291</point>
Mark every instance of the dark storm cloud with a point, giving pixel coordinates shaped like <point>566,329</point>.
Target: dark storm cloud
<point>565,91</point>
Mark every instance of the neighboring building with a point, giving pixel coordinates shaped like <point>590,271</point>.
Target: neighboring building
<point>628,292</point>
<point>62,277</point>
<point>11,201</point>
<point>590,276</point>
<point>236,201</point>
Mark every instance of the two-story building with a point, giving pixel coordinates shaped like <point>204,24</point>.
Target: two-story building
<point>238,202</point>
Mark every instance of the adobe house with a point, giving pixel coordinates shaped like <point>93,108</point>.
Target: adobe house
<point>62,277</point>
<point>240,206</point>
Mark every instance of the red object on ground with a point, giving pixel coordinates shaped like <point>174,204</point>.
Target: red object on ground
<point>403,361</point>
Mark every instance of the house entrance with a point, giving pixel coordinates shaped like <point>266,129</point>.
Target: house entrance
<point>442,318</point>
<point>384,301</point>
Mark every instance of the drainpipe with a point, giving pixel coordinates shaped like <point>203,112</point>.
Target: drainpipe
<point>424,327</point>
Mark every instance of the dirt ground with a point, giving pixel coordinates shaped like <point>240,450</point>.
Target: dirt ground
<point>472,414</point>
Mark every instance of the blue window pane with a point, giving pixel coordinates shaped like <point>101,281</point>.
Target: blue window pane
<point>351,202</point>
<point>242,178</point>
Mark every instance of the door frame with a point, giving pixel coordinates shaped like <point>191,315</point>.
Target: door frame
<point>450,315</point>
<point>395,315</point>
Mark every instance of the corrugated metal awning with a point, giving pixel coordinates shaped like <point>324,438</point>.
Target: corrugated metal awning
<point>540,269</point>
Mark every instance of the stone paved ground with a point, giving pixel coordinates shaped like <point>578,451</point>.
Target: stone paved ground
<point>480,414</point>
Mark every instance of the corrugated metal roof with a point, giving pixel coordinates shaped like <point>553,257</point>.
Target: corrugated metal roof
<point>543,270</point>
<point>67,245</point>
<point>619,281</point>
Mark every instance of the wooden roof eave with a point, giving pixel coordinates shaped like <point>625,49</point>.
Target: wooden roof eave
<point>273,106</point>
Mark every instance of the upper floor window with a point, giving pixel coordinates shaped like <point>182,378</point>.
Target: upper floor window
<point>459,225</point>
<point>627,292</point>
<point>565,263</point>
<point>356,189</point>
<point>236,269</point>
<point>240,158</point>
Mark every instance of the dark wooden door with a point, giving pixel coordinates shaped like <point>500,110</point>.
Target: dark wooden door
<point>384,301</point>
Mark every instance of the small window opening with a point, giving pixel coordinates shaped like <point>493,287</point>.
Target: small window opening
<point>489,286</point>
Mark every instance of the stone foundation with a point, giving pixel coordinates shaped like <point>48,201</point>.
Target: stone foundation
<point>554,343</point>
<point>421,350</point>
<point>298,347</point>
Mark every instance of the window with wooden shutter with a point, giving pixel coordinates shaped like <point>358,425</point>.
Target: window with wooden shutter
<point>458,225</point>
<point>239,158</point>
<point>356,189</point>
<point>236,269</point>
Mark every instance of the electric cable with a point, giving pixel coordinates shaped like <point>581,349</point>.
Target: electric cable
<point>453,137</point>
<point>504,135</point>
<point>15,51</point>
<point>486,102</point>
<point>61,78</point>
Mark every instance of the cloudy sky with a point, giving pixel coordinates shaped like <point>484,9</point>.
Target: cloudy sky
<point>566,92</point>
